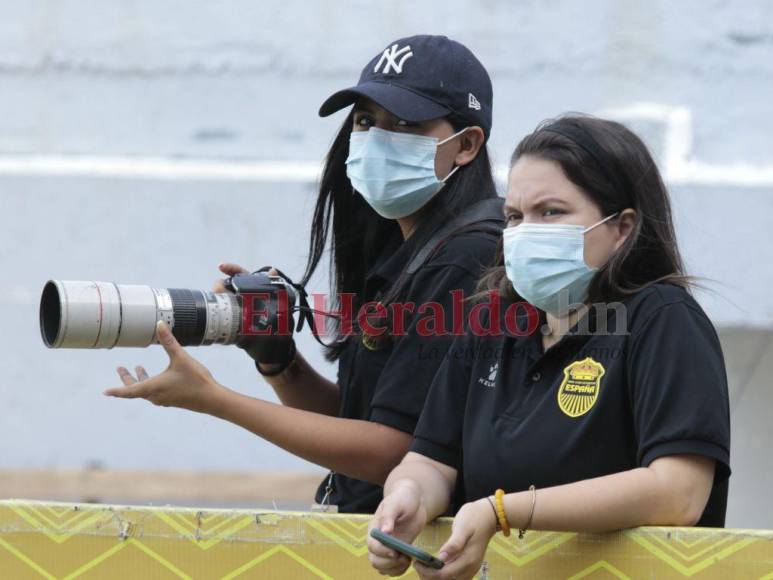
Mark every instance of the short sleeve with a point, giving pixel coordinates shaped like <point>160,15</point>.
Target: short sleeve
<point>678,387</point>
<point>403,384</point>
<point>438,434</point>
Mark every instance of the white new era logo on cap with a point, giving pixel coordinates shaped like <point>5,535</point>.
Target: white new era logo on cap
<point>473,103</point>
<point>389,59</point>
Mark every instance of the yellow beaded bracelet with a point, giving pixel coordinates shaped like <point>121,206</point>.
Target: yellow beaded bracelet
<point>501,516</point>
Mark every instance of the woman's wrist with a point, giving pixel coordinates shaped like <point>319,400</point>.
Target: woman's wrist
<point>517,507</point>
<point>488,515</point>
<point>275,369</point>
<point>270,369</point>
<point>218,401</point>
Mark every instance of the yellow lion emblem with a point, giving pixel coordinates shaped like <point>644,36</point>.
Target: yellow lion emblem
<point>580,388</point>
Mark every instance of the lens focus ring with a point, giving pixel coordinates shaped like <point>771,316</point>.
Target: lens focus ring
<point>190,316</point>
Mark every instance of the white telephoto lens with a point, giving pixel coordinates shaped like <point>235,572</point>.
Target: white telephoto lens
<point>80,314</point>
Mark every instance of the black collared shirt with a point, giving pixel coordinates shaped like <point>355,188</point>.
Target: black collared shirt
<point>509,414</point>
<point>389,385</point>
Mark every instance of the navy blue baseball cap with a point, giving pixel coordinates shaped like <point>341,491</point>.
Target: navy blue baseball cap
<point>421,78</point>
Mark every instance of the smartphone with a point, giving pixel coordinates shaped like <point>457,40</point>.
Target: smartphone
<point>408,549</point>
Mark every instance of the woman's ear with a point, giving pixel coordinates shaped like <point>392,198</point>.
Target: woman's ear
<point>625,224</point>
<point>470,142</point>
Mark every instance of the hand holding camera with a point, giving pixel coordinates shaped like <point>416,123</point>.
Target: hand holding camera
<point>273,351</point>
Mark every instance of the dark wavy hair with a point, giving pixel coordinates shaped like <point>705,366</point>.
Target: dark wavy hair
<point>357,234</point>
<point>614,168</point>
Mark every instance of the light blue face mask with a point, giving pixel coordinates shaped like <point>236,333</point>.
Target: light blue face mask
<point>545,263</point>
<point>394,172</point>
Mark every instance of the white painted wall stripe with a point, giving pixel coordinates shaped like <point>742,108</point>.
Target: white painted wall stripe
<point>680,172</point>
<point>677,166</point>
<point>159,168</point>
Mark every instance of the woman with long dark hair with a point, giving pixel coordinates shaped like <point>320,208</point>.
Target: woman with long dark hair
<point>603,403</point>
<point>408,207</point>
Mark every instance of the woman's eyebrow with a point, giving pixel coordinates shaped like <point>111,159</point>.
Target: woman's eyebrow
<point>537,203</point>
<point>541,201</point>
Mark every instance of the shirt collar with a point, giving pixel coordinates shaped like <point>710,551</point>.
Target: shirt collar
<point>582,331</point>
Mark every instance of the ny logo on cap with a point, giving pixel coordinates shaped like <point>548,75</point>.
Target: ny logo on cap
<point>389,58</point>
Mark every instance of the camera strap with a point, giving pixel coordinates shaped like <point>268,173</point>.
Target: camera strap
<point>304,310</point>
<point>485,216</point>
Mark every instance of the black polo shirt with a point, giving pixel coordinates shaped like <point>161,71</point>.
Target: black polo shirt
<point>389,385</point>
<point>509,414</point>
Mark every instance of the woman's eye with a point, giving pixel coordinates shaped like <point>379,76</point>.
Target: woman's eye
<point>363,121</point>
<point>406,124</point>
<point>513,219</point>
<point>552,212</point>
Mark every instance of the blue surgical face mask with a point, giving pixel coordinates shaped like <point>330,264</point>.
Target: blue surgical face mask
<point>394,172</point>
<point>545,263</point>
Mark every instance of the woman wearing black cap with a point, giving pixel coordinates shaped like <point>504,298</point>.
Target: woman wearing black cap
<point>602,404</point>
<point>407,202</point>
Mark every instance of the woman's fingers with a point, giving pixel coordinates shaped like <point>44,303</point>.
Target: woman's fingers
<point>391,511</point>
<point>166,339</point>
<point>391,566</point>
<point>457,556</point>
<point>456,570</point>
<point>383,558</point>
<point>126,377</point>
<point>142,374</point>
<point>231,269</point>
<point>454,545</point>
<point>380,550</point>
<point>132,391</point>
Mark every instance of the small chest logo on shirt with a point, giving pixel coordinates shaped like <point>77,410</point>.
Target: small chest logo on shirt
<point>580,388</point>
<point>492,376</point>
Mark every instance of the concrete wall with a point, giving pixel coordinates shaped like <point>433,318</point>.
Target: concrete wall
<point>144,142</point>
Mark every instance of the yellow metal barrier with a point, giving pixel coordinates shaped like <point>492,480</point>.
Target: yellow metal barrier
<point>67,541</point>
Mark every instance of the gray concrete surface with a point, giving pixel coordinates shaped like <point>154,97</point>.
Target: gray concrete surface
<point>241,81</point>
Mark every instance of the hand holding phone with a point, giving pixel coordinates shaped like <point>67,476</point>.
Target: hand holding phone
<point>407,549</point>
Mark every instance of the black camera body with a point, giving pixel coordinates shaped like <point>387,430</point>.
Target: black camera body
<point>271,299</point>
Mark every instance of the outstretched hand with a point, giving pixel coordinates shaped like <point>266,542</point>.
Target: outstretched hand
<point>186,383</point>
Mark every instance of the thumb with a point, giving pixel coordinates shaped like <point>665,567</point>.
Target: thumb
<point>388,518</point>
<point>166,339</point>
<point>231,269</point>
<point>454,545</point>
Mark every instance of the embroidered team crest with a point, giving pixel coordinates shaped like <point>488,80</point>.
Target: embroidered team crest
<point>580,388</point>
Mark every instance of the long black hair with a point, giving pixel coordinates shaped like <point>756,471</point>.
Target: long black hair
<point>616,171</point>
<point>359,234</point>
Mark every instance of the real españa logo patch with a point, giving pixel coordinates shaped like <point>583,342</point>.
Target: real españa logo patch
<point>580,388</point>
